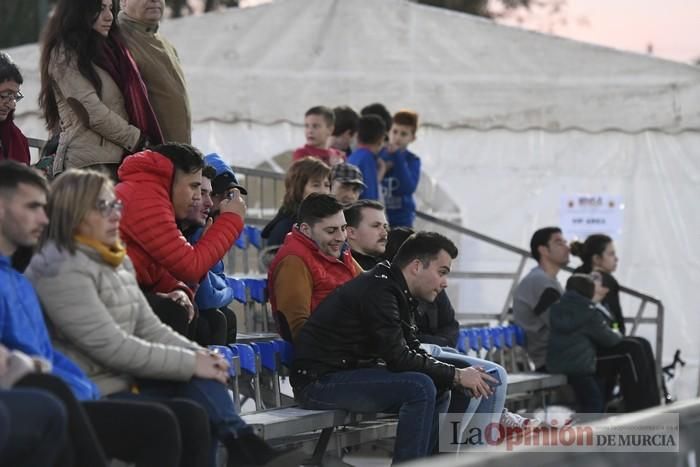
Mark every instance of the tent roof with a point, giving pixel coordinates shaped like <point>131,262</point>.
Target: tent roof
<point>272,62</point>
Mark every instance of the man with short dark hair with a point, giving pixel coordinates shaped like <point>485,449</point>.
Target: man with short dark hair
<point>158,187</point>
<point>371,132</point>
<point>367,231</point>
<point>539,290</point>
<point>358,350</point>
<point>312,262</point>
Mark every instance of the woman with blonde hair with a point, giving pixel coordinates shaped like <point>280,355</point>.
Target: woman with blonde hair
<point>305,176</point>
<point>105,324</point>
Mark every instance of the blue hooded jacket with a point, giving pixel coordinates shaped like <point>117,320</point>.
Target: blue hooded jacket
<point>398,186</point>
<point>213,291</point>
<point>22,327</point>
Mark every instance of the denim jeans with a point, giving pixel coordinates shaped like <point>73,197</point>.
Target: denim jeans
<point>477,405</point>
<point>410,394</point>
<point>210,394</point>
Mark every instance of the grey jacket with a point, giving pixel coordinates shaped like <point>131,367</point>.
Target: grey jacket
<point>95,128</point>
<point>99,318</point>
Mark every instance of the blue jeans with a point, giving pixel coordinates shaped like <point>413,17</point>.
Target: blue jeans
<point>211,395</point>
<point>410,394</point>
<point>479,405</point>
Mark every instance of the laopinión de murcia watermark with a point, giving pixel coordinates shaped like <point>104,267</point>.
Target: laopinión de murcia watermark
<point>589,433</point>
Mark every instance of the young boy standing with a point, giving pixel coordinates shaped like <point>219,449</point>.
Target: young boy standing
<point>319,122</point>
<point>403,170</point>
<point>370,140</point>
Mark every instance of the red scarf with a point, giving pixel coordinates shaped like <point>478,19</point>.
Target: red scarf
<point>116,60</point>
<point>14,144</point>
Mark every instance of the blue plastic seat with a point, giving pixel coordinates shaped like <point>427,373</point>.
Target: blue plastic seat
<point>508,336</point>
<point>496,334</point>
<point>519,335</point>
<point>473,336</point>
<point>247,355</point>
<point>258,289</point>
<point>228,355</point>
<point>485,336</point>
<point>239,289</point>
<point>462,340</point>
<point>286,352</point>
<point>268,355</point>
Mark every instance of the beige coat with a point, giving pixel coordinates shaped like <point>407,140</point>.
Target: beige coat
<point>100,319</point>
<point>94,128</point>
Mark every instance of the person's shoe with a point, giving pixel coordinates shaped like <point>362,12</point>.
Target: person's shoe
<point>250,449</point>
<point>513,420</point>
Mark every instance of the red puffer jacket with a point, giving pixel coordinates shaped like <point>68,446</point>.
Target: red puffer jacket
<point>163,258</point>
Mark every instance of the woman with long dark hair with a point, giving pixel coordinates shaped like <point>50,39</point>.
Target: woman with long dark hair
<point>632,359</point>
<point>91,90</point>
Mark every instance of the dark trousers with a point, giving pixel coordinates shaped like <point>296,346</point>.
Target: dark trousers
<point>32,428</point>
<point>589,393</point>
<point>211,328</point>
<point>633,361</point>
<point>231,325</point>
<point>170,313</point>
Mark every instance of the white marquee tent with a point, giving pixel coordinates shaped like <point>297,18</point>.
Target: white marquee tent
<point>511,121</point>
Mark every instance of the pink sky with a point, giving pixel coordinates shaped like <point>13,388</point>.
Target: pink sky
<point>672,26</point>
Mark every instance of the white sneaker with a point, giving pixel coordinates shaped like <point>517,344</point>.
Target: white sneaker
<point>513,420</point>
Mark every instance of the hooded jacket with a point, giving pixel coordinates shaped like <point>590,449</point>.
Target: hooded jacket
<point>163,258</point>
<point>22,327</point>
<point>103,321</point>
<point>576,328</point>
<point>13,143</point>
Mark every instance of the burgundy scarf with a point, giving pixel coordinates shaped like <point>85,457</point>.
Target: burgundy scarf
<point>13,144</point>
<point>116,60</point>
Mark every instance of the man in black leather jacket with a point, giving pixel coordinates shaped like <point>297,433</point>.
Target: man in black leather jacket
<point>358,350</point>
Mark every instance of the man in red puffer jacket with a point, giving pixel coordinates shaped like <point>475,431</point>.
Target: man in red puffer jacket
<point>158,187</point>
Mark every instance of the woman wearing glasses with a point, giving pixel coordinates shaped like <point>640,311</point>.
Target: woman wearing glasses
<point>105,324</point>
<point>13,144</point>
<point>91,90</point>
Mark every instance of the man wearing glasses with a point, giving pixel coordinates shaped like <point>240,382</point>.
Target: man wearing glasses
<point>13,143</point>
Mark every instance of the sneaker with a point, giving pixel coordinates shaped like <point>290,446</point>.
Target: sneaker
<point>513,420</point>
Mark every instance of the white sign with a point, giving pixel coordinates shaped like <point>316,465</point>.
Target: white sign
<point>583,214</point>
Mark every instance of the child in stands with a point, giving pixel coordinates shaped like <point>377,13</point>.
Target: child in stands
<point>403,170</point>
<point>319,123</point>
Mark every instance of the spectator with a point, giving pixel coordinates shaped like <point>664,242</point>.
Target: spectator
<point>223,183</point>
<point>159,65</point>
<point>91,90</point>
<point>103,320</point>
<point>367,232</point>
<point>311,263</point>
<point>318,128</point>
<point>305,176</point>
<point>118,425</point>
<point>539,290</point>
<point>370,140</point>
<point>368,320</point>
<point>13,143</point>
<point>576,331</point>
<point>599,257</point>
<point>403,170</point>
<point>212,291</point>
<point>346,183</point>
<point>158,188</point>
<point>345,129</point>
<point>380,110</point>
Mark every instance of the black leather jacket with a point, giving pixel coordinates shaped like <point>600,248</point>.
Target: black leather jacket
<point>367,322</point>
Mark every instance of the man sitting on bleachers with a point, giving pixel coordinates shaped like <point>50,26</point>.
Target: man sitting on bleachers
<point>358,350</point>
<point>158,187</point>
<point>313,260</point>
<point>539,290</point>
<point>367,231</point>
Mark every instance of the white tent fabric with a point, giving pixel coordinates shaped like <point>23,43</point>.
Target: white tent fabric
<point>511,120</point>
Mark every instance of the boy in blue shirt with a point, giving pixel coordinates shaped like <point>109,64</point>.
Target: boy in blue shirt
<point>370,140</point>
<point>403,170</point>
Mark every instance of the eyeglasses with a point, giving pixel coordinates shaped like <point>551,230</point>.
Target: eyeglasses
<point>107,208</point>
<point>11,97</point>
